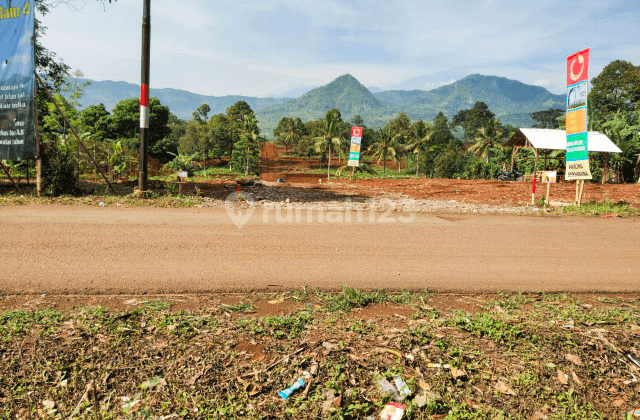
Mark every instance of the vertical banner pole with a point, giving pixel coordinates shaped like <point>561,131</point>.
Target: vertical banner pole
<point>38,155</point>
<point>144,96</point>
<point>581,191</point>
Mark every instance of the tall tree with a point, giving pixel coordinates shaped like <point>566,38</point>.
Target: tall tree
<point>442,134</point>
<point>220,133</point>
<point>617,87</point>
<point>473,119</point>
<point>401,131</point>
<point>487,138</point>
<point>245,154</point>
<point>126,120</point>
<point>289,132</point>
<point>200,116</point>
<point>620,128</point>
<point>235,120</point>
<point>419,140</point>
<point>547,118</point>
<point>332,136</point>
<point>74,88</point>
<point>385,146</point>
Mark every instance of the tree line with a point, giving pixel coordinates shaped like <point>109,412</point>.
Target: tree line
<point>419,148</point>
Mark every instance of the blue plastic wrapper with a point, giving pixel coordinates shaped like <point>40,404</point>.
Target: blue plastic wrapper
<point>285,393</point>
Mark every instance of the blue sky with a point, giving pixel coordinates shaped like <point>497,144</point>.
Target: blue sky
<point>260,48</point>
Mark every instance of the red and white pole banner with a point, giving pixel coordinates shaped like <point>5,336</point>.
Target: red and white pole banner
<point>144,106</point>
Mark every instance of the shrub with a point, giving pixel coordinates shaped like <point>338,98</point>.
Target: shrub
<point>58,171</point>
<point>183,162</point>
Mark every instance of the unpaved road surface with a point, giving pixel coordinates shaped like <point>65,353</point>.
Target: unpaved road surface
<point>59,249</point>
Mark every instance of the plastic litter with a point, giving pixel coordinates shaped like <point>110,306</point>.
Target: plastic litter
<point>438,365</point>
<point>402,387</point>
<point>634,359</point>
<point>102,204</point>
<point>285,393</point>
<point>392,411</point>
<point>388,389</point>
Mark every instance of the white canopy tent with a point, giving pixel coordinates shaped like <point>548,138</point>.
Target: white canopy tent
<point>542,140</point>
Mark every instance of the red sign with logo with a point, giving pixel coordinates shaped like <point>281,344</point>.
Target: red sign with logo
<point>356,131</point>
<point>578,67</point>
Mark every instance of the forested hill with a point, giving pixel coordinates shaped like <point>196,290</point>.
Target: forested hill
<point>512,101</point>
<point>345,93</point>
<point>181,102</point>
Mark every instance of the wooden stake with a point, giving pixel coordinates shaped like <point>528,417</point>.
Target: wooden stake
<point>605,170</point>
<point>6,171</point>
<point>577,191</point>
<point>547,196</point>
<point>73,130</point>
<point>581,191</point>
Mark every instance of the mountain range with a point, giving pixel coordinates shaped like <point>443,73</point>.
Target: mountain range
<point>512,101</point>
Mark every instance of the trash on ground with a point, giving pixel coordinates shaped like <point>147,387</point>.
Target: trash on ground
<point>392,411</point>
<point>388,389</point>
<point>634,359</point>
<point>285,393</point>
<point>402,387</point>
<point>438,365</point>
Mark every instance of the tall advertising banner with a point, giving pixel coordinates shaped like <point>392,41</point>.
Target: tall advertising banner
<point>17,80</point>
<point>577,138</point>
<point>354,149</point>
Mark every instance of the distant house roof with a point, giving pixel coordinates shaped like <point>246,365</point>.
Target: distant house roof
<point>542,138</point>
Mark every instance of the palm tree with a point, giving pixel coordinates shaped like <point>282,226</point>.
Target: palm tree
<point>385,146</point>
<point>618,128</point>
<point>487,139</point>
<point>294,131</point>
<point>420,138</point>
<point>332,136</point>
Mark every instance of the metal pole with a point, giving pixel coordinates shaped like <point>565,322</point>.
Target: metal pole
<point>144,96</point>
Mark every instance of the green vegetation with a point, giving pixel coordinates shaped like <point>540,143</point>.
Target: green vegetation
<point>510,356</point>
<point>420,147</point>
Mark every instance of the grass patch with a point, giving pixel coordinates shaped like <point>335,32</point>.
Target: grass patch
<point>227,362</point>
<point>486,325</point>
<point>599,209</point>
<point>20,322</point>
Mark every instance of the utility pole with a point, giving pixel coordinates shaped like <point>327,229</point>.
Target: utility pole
<point>144,96</point>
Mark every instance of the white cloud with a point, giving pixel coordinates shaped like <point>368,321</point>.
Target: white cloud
<point>429,86</point>
<point>256,47</point>
<point>542,82</point>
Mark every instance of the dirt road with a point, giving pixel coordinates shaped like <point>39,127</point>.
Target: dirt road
<point>52,249</point>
